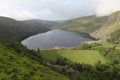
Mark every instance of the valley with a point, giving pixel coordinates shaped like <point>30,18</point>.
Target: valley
<point>93,61</point>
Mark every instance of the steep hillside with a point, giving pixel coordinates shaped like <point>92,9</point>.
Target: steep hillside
<point>112,25</point>
<point>18,66</point>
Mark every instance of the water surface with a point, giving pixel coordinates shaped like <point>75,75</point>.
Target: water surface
<point>54,38</point>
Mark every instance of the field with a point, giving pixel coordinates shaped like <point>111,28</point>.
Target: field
<point>78,56</point>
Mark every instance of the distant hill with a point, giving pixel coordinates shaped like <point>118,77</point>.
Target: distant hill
<point>37,22</point>
<point>12,29</point>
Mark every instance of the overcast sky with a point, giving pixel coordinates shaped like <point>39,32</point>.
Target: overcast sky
<point>56,9</point>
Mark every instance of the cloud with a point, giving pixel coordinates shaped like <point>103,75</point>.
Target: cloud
<point>106,7</point>
<point>20,15</point>
<point>56,9</point>
<point>66,9</point>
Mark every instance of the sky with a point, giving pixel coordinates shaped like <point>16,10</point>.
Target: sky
<point>56,9</point>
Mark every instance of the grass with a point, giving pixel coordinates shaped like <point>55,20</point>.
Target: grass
<point>16,66</point>
<point>78,56</point>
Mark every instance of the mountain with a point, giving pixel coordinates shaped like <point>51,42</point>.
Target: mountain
<point>111,26</point>
<point>98,27</point>
<point>37,22</point>
<point>12,29</point>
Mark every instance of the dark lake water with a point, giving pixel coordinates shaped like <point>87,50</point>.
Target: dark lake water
<point>54,38</point>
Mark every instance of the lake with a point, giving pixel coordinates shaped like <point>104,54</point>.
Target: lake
<point>54,38</point>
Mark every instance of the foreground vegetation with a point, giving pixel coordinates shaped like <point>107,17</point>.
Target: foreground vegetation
<point>18,66</point>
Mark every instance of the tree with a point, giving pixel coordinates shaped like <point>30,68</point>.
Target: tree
<point>85,46</point>
<point>61,61</point>
<point>38,50</point>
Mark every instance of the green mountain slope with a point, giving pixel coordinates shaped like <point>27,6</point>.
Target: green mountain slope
<point>18,66</point>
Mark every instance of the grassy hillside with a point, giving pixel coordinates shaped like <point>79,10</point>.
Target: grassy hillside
<point>84,24</point>
<point>18,66</point>
<point>77,56</point>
